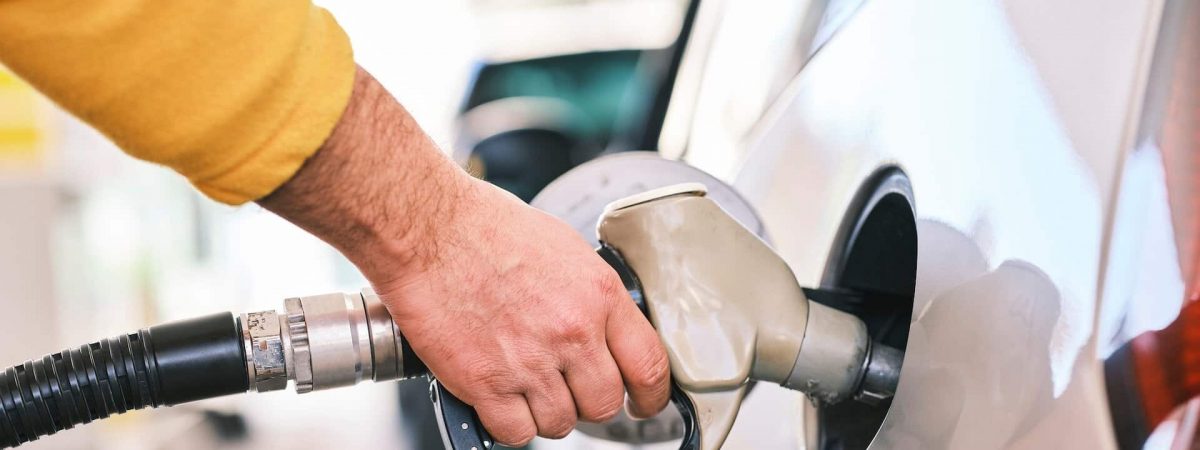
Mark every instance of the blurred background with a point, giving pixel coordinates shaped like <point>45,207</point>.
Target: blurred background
<point>95,243</point>
<point>107,244</point>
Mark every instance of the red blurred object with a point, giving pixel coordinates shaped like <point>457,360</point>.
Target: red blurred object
<point>1167,362</point>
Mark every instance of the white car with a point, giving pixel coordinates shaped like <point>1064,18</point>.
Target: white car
<point>1043,153</point>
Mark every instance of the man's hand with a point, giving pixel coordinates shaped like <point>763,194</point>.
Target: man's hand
<point>507,305</point>
<point>521,319</point>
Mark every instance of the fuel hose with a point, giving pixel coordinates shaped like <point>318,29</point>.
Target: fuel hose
<point>317,342</point>
<point>161,365</point>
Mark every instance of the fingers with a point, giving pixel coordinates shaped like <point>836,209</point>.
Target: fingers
<point>641,359</point>
<point>596,386</point>
<point>552,408</point>
<point>546,411</point>
<point>509,421</point>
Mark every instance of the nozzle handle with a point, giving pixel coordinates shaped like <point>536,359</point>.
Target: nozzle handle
<point>457,421</point>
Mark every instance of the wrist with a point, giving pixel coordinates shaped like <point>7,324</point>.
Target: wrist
<point>394,248</point>
<point>376,188</point>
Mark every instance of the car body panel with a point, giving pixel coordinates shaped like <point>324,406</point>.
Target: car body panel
<point>1012,120</point>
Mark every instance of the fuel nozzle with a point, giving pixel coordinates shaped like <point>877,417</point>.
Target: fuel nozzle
<point>729,310</point>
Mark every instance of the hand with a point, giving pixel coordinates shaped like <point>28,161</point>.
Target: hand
<point>520,318</point>
<point>508,306</point>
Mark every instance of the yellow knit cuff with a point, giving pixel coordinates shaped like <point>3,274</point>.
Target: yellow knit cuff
<point>318,110</point>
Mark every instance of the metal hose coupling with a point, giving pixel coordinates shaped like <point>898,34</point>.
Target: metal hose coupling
<point>326,341</point>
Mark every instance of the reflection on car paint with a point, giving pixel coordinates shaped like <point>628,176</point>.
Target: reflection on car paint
<point>978,346</point>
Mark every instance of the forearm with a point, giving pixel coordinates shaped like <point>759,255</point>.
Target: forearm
<point>508,306</point>
<point>376,187</point>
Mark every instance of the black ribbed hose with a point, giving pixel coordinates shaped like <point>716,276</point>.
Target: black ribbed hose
<point>162,365</point>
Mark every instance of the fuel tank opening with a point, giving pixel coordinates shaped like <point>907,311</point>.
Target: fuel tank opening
<point>872,266</point>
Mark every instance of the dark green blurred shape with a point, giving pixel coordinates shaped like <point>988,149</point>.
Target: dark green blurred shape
<point>596,83</point>
<point>556,113</point>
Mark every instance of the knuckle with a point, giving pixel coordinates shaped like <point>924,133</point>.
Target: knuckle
<point>652,372</point>
<point>516,436</point>
<point>491,383</point>
<point>558,426</point>
<point>606,406</point>
<point>506,427</point>
<point>573,329</point>
<point>608,285</point>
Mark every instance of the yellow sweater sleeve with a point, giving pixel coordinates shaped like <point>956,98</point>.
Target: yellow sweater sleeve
<point>233,94</point>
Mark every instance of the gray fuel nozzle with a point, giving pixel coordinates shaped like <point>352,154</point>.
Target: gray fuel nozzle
<point>729,310</point>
